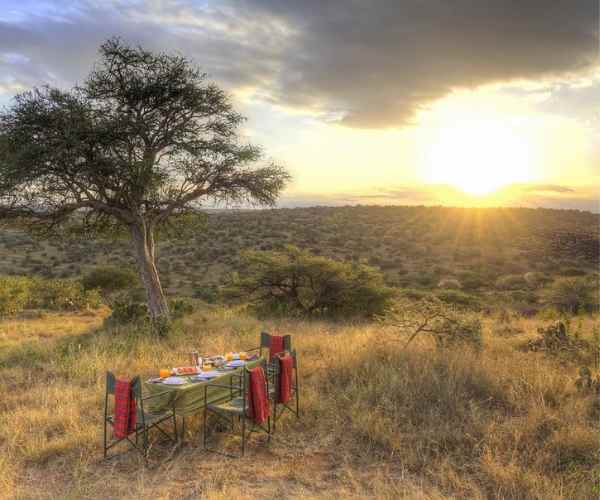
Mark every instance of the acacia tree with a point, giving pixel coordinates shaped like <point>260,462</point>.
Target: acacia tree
<point>145,138</point>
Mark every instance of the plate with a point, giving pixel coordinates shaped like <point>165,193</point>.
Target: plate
<point>174,381</point>
<point>208,374</point>
<point>236,363</point>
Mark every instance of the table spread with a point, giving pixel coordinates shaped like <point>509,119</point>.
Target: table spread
<point>188,398</point>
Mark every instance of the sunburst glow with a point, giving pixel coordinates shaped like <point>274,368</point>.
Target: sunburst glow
<point>479,156</point>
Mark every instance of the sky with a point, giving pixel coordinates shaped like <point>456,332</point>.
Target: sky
<point>428,102</point>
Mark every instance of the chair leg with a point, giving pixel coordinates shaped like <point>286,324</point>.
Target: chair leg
<point>176,439</point>
<point>145,441</point>
<point>297,396</point>
<point>204,429</point>
<point>105,443</point>
<point>243,435</point>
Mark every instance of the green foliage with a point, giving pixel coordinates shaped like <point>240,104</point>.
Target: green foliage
<point>511,282</point>
<point>457,331</point>
<point>571,295</point>
<point>297,282</point>
<point>125,311</point>
<point>451,283</point>
<point>448,326</point>
<point>556,339</point>
<point>181,307</point>
<point>18,293</point>
<point>209,294</point>
<point>58,294</point>
<point>15,294</point>
<point>458,298</point>
<point>110,280</point>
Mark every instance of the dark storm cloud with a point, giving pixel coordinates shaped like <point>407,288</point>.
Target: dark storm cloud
<point>370,63</point>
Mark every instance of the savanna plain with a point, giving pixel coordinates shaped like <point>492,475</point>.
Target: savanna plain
<point>497,399</point>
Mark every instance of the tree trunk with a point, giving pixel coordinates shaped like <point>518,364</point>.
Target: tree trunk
<point>143,240</point>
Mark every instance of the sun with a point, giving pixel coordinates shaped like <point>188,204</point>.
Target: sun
<point>479,156</point>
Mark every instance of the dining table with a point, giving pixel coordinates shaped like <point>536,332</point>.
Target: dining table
<point>188,399</point>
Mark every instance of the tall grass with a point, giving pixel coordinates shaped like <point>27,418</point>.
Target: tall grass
<point>377,420</point>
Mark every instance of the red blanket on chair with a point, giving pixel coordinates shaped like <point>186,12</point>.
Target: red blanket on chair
<point>277,346</point>
<point>125,411</point>
<point>258,403</point>
<point>286,366</point>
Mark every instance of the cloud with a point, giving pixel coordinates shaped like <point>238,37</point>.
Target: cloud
<point>548,188</point>
<point>516,195</point>
<point>368,64</point>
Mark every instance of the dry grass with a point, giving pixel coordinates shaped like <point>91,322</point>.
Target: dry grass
<point>378,421</point>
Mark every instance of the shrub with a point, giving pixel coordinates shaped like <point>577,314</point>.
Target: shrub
<point>447,325</point>
<point>511,282</point>
<point>18,293</point>
<point>15,294</point>
<point>110,281</point>
<point>459,331</point>
<point>61,294</point>
<point>181,307</point>
<point>535,279</point>
<point>571,295</point>
<point>452,283</point>
<point>458,298</point>
<point>125,311</point>
<point>298,282</point>
<point>209,294</point>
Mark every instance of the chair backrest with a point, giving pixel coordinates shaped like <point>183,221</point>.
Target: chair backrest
<point>265,341</point>
<point>136,385</point>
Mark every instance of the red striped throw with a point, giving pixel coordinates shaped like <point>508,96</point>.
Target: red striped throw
<point>125,410</point>
<point>258,402</point>
<point>286,365</point>
<point>277,346</point>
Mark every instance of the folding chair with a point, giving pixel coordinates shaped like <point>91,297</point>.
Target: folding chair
<point>234,406</point>
<point>265,343</point>
<point>144,420</point>
<point>295,390</point>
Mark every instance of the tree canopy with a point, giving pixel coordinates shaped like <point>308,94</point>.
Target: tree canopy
<point>144,138</point>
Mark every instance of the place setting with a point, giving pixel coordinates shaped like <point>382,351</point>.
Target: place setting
<point>203,368</point>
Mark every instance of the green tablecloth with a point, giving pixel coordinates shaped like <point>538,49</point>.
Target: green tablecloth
<point>189,397</point>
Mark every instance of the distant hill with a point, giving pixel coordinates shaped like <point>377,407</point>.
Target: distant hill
<point>416,247</point>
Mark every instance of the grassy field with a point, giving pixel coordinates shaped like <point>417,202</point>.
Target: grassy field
<point>378,420</point>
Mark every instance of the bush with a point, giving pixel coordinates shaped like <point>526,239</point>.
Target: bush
<point>15,294</point>
<point>181,307</point>
<point>110,281</point>
<point>209,294</point>
<point>535,279</point>
<point>511,282</point>
<point>125,311</point>
<point>18,293</point>
<point>458,298</point>
<point>459,331</point>
<point>571,295</point>
<point>452,283</point>
<point>60,294</point>
<point>298,282</point>
<point>448,326</point>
